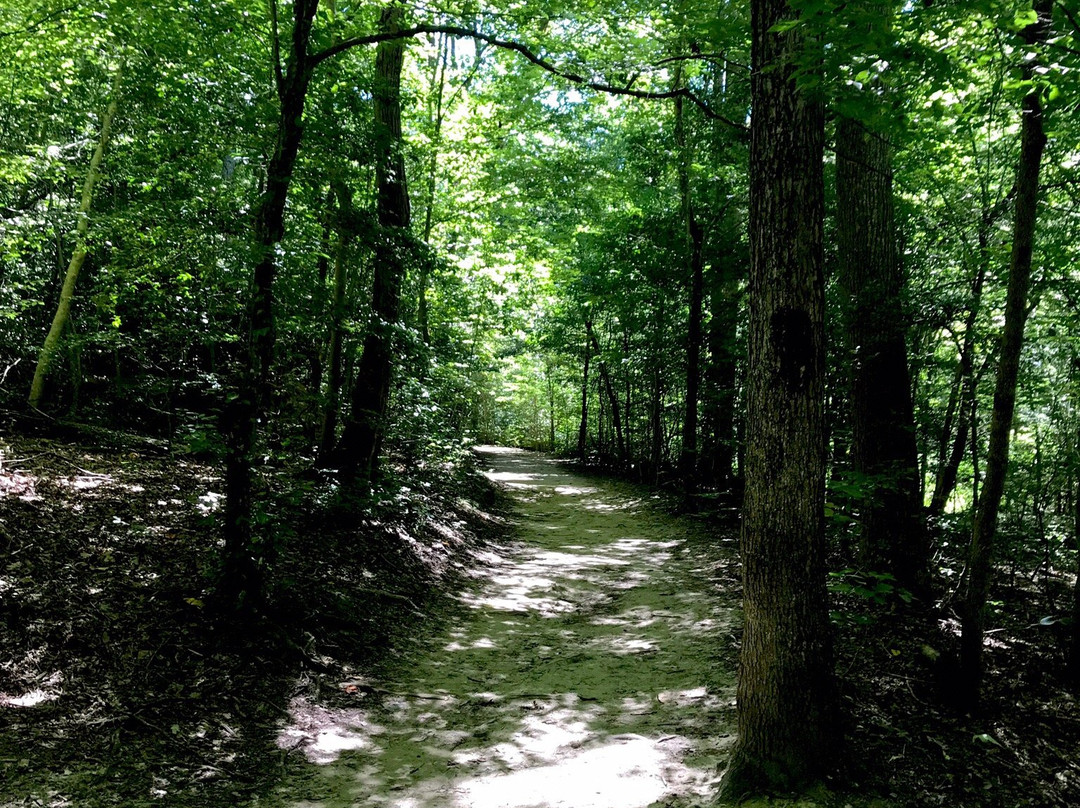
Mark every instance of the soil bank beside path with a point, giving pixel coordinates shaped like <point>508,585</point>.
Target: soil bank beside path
<point>583,669</point>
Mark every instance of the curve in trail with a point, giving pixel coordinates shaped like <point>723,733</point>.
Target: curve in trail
<point>583,672</point>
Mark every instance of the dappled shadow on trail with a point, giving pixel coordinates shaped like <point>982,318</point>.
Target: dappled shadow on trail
<point>122,685</point>
<point>580,670</point>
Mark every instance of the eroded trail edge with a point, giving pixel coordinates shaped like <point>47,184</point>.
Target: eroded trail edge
<point>584,669</point>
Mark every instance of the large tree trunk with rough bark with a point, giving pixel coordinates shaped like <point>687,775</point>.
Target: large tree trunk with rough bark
<point>244,550</point>
<point>787,707</point>
<point>981,553</point>
<point>78,257</point>
<point>884,454</point>
<point>361,441</point>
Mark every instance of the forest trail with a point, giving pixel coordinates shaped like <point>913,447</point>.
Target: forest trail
<point>583,670</point>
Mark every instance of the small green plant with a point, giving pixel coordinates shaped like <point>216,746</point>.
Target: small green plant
<point>874,590</point>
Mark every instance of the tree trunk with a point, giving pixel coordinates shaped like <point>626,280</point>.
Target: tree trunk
<point>439,80</point>
<point>973,429</point>
<point>78,257</point>
<point>883,448</point>
<point>583,428</point>
<point>318,346</point>
<point>601,442</point>
<point>1074,644</point>
<point>787,707</point>
<point>949,458</point>
<point>962,396</point>
<point>551,407</point>
<point>613,398</point>
<point>718,416</point>
<point>628,415</point>
<point>656,411</point>
<point>981,553</point>
<point>244,551</point>
<point>328,433</point>
<point>695,237</point>
<point>361,441</point>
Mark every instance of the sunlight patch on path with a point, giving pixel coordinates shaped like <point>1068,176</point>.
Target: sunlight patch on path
<point>529,584</point>
<point>574,490</point>
<point>510,477</point>
<point>581,672</point>
<point>626,772</point>
<point>323,734</point>
<point>49,689</point>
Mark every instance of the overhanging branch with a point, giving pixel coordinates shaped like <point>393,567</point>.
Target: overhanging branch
<point>530,56</point>
<point>34,25</point>
<point>1069,15</point>
<point>720,56</point>
<point>275,48</point>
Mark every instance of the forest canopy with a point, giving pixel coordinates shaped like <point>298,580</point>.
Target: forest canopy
<point>815,260</point>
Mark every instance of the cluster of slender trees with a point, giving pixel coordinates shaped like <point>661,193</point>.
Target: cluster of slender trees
<point>800,426</point>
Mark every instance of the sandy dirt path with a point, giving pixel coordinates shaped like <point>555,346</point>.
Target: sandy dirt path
<point>582,671</point>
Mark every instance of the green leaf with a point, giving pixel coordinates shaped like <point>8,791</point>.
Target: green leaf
<point>1025,18</point>
<point>785,25</point>
<point>987,739</point>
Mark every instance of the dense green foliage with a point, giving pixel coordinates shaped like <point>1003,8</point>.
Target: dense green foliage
<point>546,295</point>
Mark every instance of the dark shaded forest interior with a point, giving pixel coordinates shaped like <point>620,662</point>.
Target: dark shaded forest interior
<point>771,306</point>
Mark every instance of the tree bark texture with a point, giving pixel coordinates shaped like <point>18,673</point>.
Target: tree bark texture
<point>362,438</point>
<point>981,553</point>
<point>240,578</point>
<point>884,454</point>
<point>787,708</point>
<point>78,257</point>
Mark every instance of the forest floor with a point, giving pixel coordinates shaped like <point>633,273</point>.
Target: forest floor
<point>590,667</point>
<point>434,656</point>
<point>121,685</point>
